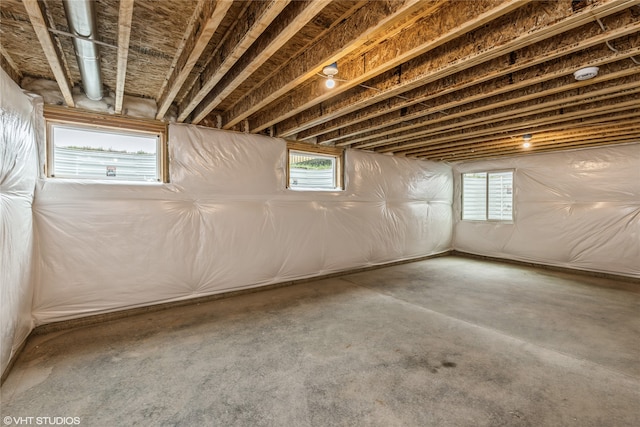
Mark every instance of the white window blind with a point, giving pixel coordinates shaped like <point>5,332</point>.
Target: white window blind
<point>474,196</point>
<point>487,196</point>
<point>500,196</point>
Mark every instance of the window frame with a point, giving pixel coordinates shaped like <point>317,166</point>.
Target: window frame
<point>486,195</point>
<point>336,152</point>
<point>62,117</point>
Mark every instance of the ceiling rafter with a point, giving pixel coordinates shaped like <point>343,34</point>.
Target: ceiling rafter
<point>536,104</point>
<point>53,55</point>
<point>385,113</point>
<point>596,133</point>
<point>440,79</point>
<point>298,15</point>
<point>202,26</point>
<point>125,14</point>
<point>10,67</point>
<point>557,78</point>
<point>524,109</point>
<point>542,20</point>
<point>343,39</point>
<point>445,24</point>
<point>620,104</point>
<point>517,115</point>
<point>555,147</point>
<point>543,142</point>
<point>598,120</point>
<point>245,33</point>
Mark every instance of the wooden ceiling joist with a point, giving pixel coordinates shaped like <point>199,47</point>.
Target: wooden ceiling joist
<point>7,64</point>
<point>297,16</point>
<point>41,28</point>
<point>553,120</point>
<point>437,79</point>
<point>124,34</point>
<point>202,25</point>
<point>591,135</point>
<point>501,91</point>
<point>525,109</point>
<point>542,19</point>
<point>340,41</point>
<point>258,16</point>
<point>491,102</point>
<point>445,24</point>
<point>516,150</point>
<point>618,130</point>
<point>394,110</point>
<point>536,107</point>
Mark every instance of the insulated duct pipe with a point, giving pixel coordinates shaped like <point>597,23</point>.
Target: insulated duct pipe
<point>81,19</point>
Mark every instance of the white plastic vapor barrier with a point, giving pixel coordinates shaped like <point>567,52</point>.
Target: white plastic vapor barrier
<point>18,173</point>
<point>227,221</point>
<point>576,209</point>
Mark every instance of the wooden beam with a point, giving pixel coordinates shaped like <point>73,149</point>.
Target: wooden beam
<point>534,23</point>
<point>490,102</point>
<point>394,110</point>
<point>538,106</point>
<point>443,25</point>
<point>201,27</point>
<point>10,67</point>
<point>36,16</point>
<point>343,39</point>
<point>75,115</point>
<point>517,150</point>
<point>518,153</point>
<point>257,17</point>
<point>621,104</point>
<point>627,128</point>
<point>124,32</point>
<point>298,14</point>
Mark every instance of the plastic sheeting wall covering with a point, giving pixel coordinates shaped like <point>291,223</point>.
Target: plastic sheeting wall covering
<point>18,173</point>
<point>576,209</point>
<point>226,221</point>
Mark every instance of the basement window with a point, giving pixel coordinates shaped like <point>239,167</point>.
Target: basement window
<point>487,196</point>
<point>81,151</point>
<point>314,168</point>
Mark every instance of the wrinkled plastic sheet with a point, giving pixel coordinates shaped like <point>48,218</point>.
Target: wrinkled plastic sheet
<point>576,209</point>
<point>18,173</point>
<point>225,222</point>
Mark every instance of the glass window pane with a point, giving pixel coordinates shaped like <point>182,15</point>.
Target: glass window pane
<point>311,171</point>
<point>105,155</point>
<point>474,196</point>
<point>501,196</point>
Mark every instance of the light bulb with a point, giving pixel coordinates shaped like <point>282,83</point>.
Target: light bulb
<point>330,83</point>
<point>526,144</point>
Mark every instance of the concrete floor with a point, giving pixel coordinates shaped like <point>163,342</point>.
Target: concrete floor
<point>443,342</point>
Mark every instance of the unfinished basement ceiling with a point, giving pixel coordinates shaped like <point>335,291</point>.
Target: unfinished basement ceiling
<point>439,79</point>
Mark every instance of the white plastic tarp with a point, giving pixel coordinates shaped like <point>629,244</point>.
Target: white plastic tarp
<point>576,209</point>
<point>227,221</point>
<point>18,173</point>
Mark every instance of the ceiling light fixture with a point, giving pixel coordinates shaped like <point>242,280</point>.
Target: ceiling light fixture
<point>586,73</point>
<point>527,140</point>
<point>330,71</point>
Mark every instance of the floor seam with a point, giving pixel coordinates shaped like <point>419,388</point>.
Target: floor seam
<point>496,331</point>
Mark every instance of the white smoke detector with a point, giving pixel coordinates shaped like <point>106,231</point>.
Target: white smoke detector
<point>586,73</point>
